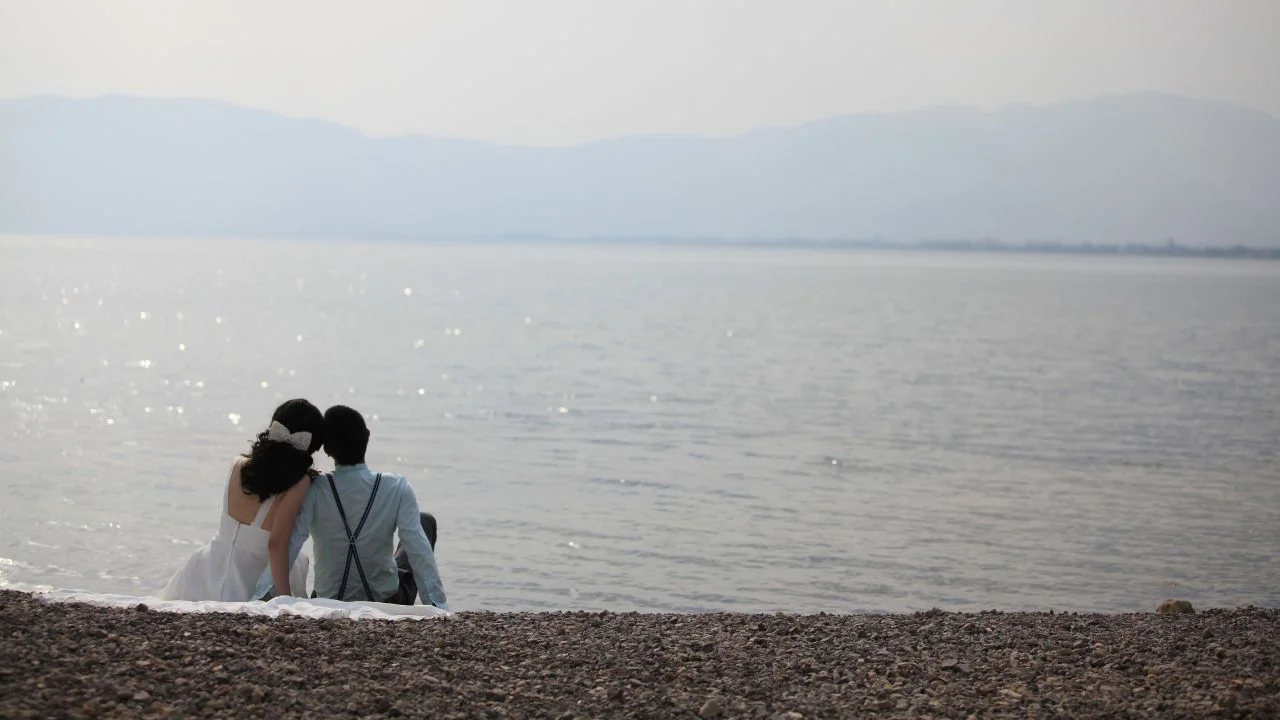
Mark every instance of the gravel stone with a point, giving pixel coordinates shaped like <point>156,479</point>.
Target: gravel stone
<point>66,660</point>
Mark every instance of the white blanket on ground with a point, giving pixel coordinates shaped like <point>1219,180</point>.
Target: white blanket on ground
<point>304,607</point>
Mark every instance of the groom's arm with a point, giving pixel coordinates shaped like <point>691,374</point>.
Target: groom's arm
<point>301,529</point>
<point>422,560</point>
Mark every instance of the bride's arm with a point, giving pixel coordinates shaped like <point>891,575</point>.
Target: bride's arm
<point>282,530</point>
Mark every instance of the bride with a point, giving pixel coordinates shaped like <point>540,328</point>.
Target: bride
<point>259,507</point>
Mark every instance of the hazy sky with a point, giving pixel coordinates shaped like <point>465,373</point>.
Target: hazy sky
<point>561,71</point>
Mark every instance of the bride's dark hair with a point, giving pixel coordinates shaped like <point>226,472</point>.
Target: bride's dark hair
<point>276,466</point>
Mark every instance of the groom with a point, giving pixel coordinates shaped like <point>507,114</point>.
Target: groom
<point>351,514</point>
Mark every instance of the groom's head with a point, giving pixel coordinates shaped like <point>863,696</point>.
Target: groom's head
<point>346,437</point>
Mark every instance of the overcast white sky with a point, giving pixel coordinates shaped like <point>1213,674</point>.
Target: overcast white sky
<point>562,71</point>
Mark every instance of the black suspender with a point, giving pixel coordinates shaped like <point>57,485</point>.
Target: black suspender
<point>351,536</point>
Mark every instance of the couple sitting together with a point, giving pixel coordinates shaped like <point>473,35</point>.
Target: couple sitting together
<point>274,499</point>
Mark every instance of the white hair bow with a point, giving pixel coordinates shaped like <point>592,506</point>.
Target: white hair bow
<point>280,433</point>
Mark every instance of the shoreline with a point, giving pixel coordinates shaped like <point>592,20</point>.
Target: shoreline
<point>977,246</point>
<point>79,661</point>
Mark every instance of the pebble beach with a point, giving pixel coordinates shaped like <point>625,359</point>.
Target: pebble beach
<point>66,660</point>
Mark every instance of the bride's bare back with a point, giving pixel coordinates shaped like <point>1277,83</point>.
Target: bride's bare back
<point>243,507</point>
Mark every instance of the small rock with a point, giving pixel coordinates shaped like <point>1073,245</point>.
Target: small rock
<point>615,693</point>
<point>141,607</point>
<point>789,715</point>
<point>142,696</point>
<point>1175,607</point>
<point>711,709</point>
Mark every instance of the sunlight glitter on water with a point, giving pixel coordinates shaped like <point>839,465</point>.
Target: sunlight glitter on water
<point>893,433</point>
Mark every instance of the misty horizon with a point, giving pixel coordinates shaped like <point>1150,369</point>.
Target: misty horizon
<point>563,72</point>
<point>1136,169</point>
<point>764,127</point>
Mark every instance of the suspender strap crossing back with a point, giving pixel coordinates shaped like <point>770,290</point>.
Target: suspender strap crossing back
<point>352,554</point>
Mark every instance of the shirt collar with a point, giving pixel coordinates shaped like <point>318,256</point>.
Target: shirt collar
<point>361,467</point>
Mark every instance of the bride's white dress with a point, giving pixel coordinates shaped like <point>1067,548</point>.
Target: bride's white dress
<point>228,568</point>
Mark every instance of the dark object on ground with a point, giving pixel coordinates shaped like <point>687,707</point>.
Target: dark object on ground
<point>74,660</point>
<point>1175,607</point>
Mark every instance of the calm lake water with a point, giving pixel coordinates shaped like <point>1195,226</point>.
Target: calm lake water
<point>663,428</point>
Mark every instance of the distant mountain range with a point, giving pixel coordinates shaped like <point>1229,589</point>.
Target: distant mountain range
<point>1118,169</point>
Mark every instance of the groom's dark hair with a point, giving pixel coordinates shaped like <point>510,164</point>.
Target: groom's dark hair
<point>346,437</point>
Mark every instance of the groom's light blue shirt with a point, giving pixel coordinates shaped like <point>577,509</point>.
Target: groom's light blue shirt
<point>394,512</point>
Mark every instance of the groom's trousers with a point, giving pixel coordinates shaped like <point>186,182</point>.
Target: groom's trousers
<point>408,590</point>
